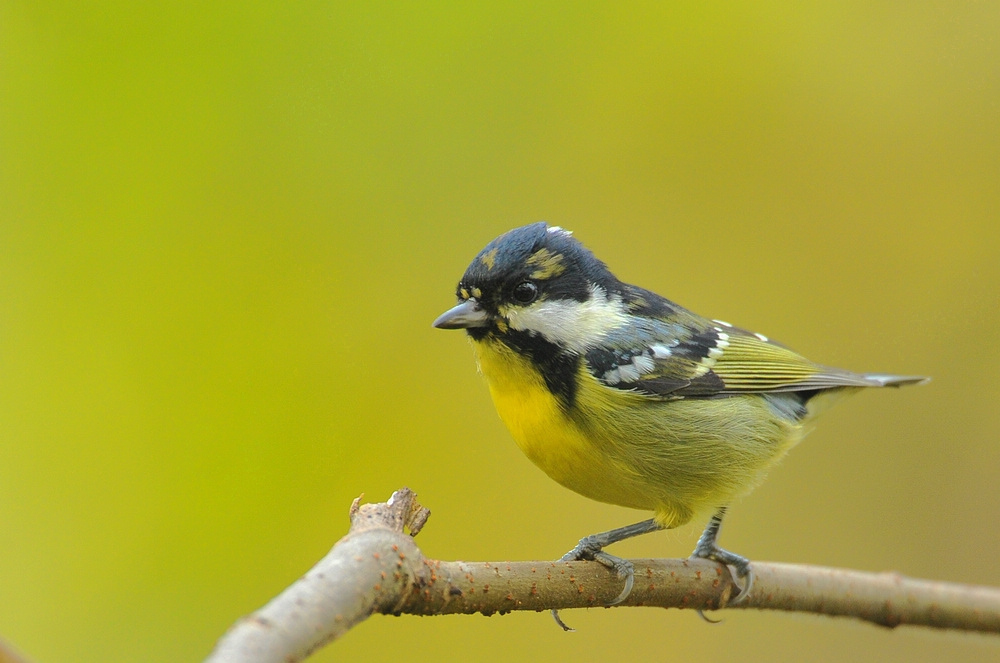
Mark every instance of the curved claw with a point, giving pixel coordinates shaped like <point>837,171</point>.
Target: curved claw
<point>562,624</point>
<point>748,575</point>
<point>623,569</point>
<point>629,583</point>
<point>701,613</point>
<point>591,548</point>
<point>739,563</point>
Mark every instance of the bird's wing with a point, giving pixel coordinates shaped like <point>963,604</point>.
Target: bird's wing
<point>689,357</point>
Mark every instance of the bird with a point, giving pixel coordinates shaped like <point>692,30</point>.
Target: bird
<point>626,397</point>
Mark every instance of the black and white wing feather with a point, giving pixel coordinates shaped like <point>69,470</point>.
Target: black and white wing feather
<point>683,355</point>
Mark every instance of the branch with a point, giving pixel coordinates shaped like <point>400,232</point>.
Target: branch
<point>377,568</point>
<point>8,655</point>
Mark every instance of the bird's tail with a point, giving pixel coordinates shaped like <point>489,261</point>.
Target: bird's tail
<point>883,380</point>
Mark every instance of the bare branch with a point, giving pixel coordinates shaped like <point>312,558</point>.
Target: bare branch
<point>372,569</point>
<point>377,568</point>
<point>8,655</point>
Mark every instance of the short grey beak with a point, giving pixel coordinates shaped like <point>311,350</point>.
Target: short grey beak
<point>465,315</point>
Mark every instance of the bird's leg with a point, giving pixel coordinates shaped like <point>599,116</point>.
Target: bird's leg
<point>592,548</point>
<point>707,548</point>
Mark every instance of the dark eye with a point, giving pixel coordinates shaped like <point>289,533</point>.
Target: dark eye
<point>526,292</point>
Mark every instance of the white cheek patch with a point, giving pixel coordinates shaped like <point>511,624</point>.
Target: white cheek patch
<point>577,326</point>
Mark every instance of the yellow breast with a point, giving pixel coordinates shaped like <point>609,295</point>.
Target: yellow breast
<point>547,435</point>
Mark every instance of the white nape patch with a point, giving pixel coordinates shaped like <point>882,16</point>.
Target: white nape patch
<point>722,322</point>
<point>577,326</point>
<point>558,230</point>
<point>660,351</point>
<point>761,337</point>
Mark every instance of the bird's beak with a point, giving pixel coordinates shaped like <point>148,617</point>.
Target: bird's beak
<point>465,315</point>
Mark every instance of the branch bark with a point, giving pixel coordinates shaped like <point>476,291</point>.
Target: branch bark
<point>377,568</point>
<point>8,655</point>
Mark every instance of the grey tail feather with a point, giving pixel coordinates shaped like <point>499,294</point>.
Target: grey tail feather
<point>883,380</point>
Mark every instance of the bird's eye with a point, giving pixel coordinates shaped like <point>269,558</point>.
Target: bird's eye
<point>526,292</point>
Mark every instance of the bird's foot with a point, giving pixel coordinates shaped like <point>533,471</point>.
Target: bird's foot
<point>591,548</point>
<point>741,564</point>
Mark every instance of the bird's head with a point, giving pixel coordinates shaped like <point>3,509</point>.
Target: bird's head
<point>538,280</point>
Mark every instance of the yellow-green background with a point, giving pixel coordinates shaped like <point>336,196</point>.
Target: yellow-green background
<point>225,229</point>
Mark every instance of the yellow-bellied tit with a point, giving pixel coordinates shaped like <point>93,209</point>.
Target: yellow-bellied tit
<point>628,398</point>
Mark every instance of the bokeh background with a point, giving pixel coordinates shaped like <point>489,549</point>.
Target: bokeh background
<point>225,229</point>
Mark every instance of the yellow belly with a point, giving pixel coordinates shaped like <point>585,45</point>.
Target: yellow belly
<point>672,457</point>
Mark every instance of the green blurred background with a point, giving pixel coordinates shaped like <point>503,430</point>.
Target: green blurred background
<point>225,229</point>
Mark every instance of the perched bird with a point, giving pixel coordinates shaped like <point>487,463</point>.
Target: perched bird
<point>625,397</point>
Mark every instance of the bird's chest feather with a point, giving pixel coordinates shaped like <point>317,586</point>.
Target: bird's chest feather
<point>536,418</point>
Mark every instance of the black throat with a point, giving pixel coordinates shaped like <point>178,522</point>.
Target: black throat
<point>558,367</point>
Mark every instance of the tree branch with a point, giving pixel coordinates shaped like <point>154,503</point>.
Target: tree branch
<point>8,655</point>
<point>377,568</point>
